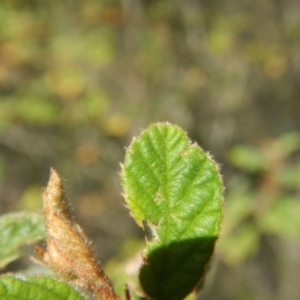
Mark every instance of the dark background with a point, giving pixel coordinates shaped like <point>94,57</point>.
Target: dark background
<point>78,79</point>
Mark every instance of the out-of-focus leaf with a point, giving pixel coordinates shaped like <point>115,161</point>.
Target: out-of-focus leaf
<point>123,269</point>
<point>289,142</point>
<point>17,229</point>
<point>37,111</point>
<point>30,200</point>
<point>36,288</point>
<point>239,245</point>
<point>220,39</point>
<point>289,176</point>
<point>176,188</point>
<point>117,125</point>
<point>68,82</point>
<point>97,47</point>
<point>238,206</point>
<point>282,218</point>
<point>247,158</point>
<point>94,105</point>
<point>29,109</point>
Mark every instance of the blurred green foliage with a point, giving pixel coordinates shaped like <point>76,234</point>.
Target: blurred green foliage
<point>268,205</point>
<point>79,78</point>
<point>18,229</point>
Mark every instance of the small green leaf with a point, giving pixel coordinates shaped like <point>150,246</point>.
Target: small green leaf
<point>289,176</point>
<point>17,229</point>
<point>289,142</point>
<point>176,188</point>
<point>247,158</point>
<point>282,218</point>
<point>36,288</point>
<point>240,244</point>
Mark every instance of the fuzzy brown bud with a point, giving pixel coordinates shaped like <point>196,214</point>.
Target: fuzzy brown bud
<point>68,251</point>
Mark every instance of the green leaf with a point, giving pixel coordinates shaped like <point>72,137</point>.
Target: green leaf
<point>176,189</point>
<point>289,142</point>
<point>247,158</point>
<point>282,218</point>
<point>289,176</point>
<point>239,206</point>
<point>240,244</point>
<point>36,288</point>
<point>17,229</point>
